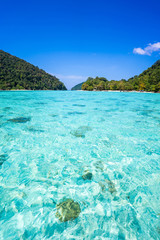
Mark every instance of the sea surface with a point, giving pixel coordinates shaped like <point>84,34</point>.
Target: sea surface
<point>50,139</point>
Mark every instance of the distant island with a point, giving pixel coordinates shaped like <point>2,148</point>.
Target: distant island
<point>77,87</point>
<point>148,81</point>
<point>17,74</point>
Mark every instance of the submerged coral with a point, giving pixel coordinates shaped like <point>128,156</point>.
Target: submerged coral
<point>77,133</point>
<point>20,120</point>
<point>111,186</point>
<point>87,175</point>
<point>102,185</point>
<point>33,129</point>
<point>99,165</point>
<point>81,131</point>
<point>67,210</point>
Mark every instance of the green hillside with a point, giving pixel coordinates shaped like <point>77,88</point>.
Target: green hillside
<point>16,73</point>
<point>77,87</point>
<point>148,81</point>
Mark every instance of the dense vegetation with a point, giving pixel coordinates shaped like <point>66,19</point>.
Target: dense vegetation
<point>148,81</point>
<point>77,87</point>
<point>16,73</point>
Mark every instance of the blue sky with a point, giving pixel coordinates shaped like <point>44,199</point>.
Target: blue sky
<point>76,39</point>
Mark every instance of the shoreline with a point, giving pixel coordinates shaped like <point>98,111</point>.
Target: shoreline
<point>27,90</point>
<point>128,91</point>
<point>116,91</point>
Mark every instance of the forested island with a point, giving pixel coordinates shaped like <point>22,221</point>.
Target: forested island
<point>17,74</point>
<point>148,81</point>
<point>77,87</point>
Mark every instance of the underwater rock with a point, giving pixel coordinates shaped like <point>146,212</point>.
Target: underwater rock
<point>80,132</point>
<point>87,175</point>
<point>32,129</point>
<point>67,210</point>
<point>111,186</point>
<point>106,143</point>
<point>103,187</point>
<point>76,133</point>
<point>6,108</point>
<point>99,165</point>
<point>20,120</point>
<point>74,113</point>
<point>3,158</point>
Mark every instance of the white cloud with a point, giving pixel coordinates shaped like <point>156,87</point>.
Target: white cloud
<point>139,51</point>
<point>155,47</point>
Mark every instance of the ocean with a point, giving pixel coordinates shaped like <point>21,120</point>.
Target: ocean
<point>99,149</point>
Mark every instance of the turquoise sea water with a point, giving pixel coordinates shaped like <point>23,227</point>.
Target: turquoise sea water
<point>48,139</point>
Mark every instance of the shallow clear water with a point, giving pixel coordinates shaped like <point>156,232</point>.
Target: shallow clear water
<point>48,139</point>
